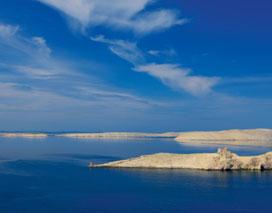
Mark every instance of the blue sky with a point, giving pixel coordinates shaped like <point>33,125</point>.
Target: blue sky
<point>142,65</point>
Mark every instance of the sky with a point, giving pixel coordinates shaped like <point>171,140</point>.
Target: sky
<point>141,65</point>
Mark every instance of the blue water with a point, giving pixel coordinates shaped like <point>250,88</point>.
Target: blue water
<point>51,175</point>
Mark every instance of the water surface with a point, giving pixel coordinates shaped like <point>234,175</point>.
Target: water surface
<point>51,175</point>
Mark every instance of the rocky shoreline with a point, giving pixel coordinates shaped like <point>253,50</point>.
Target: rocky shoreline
<point>223,160</point>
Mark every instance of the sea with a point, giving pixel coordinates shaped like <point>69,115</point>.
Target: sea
<point>51,175</point>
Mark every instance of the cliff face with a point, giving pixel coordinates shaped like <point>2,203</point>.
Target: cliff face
<point>222,160</point>
<point>239,136</point>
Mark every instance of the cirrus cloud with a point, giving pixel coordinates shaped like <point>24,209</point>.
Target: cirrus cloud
<point>180,78</point>
<point>117,14</point>
<point>172,75</point>
<point>40,77</point>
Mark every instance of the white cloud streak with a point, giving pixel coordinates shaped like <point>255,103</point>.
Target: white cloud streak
<point>122,14</point>
<point>8,31</point>
<point>117,14</point>
<point>39,78</point>
<point>126,50</point>
<point>35,47</point>
<point>167,52</point>
<point>171,75</point>
<point>180,78</point>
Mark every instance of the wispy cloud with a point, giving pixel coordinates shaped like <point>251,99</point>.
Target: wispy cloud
<point>29,55</point>
<point>151,21</point>
<point>180,78</point>
<point>117,14</point>
<point>172,75</point>
<point>8,31</point>
<point>28,97</point>
<point>130,15</point>
<point>166,52</point>
<point>39,78</point>
<point>35,73</point>
<point>23,97</point>
<point>126,50</point>
<point>35,47</point>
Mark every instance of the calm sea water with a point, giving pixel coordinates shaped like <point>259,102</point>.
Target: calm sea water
<point>51,175</point>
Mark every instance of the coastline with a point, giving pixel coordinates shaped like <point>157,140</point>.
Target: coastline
<point>223,160</point>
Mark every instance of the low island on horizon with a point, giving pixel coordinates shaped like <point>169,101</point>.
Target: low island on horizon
<point>231,137</point>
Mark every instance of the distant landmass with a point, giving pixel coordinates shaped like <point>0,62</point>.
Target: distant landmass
<point>231,137</point>
<point>24,135</point>
<point>222,160</point>
<point>104,135</point>
<point>121,135</point>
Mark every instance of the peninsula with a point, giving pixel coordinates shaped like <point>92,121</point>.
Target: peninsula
<point>222,160</point>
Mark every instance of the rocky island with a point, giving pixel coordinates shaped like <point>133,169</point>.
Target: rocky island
<point>222,160</point>
<point>252,137</point>
<point>232,137</point>
<point>23,135</point>
<point>102,135</point>
<point>119,135</point>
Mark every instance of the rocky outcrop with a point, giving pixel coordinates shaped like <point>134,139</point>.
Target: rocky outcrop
<point>120,135</point>
<point>222,160</point>
<point>234,137</point>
